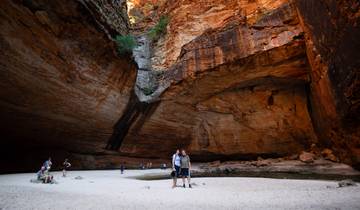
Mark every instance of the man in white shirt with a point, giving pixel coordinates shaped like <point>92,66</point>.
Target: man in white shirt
<point>176,166</point>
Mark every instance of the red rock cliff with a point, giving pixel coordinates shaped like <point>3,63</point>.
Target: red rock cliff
<point>252,78</point>
<point>239,84</point>
<point>244,79</point>
<point>62,85</point>
<point>332,39</point>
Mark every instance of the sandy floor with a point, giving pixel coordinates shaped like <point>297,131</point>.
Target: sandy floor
<point>111,190</point>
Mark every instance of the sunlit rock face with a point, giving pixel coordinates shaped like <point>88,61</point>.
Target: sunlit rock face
<point>189,19</point>
<point>62,85</point>
<point>332,39</point>
<point>142,10</point>
<point>239,88</point>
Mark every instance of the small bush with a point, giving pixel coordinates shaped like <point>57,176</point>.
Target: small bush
<point>125,43</point>
<point>159,29</point>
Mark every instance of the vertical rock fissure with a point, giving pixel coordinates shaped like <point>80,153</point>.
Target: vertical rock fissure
<point>146,93</point>
<point>148,86</point>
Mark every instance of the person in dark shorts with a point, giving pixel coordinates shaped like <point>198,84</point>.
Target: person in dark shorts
<point>176,166</point>
<point>185,167</point>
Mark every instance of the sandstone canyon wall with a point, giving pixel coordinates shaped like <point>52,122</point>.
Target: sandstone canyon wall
<point>332,38</point>
<point>243,79</point>
<point>252,78</point>
<point>239,77</point>
<point>62,85</point>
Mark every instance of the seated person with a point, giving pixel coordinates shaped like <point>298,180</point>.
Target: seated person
<point>48,178</point>
<point>41,173</point>
<point>44,175</point>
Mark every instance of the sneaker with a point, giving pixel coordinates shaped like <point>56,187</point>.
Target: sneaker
<point>184,185</point>
<point>190,186</point>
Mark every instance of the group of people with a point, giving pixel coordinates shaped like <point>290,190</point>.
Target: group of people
<point>147,166</point>
<point>181,167</point>
<point>44,173</point>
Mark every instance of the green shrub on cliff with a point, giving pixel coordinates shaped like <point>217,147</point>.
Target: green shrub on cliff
<point>159,29</point>
<point>125,43</point>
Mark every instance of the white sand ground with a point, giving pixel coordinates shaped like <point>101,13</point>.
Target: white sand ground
<point>111,190</point>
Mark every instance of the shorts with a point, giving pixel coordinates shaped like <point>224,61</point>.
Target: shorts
<point>177,169</point>
<point>184,172</point>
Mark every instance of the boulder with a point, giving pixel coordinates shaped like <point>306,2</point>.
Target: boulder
<point>328,155</point>
<point>307,157</point>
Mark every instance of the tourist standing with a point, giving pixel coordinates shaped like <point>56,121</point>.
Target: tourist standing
<point>176,166</point>
<point>185,167</point>
<point>66,165</point>
<point>122,168</point>
<point>142,166</point>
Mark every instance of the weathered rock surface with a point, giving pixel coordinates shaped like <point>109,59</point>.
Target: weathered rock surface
<point>320,166</point>
<point>244,79</point>
<point>332,39</point>
<point>190,19</point>
<point>62,85</point>
<point>228,60</point>
<point>110,15</point>
<point>274,168</point>
<point>238,91</point>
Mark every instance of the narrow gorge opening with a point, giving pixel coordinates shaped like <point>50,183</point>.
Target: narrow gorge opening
<point>149,84</point>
